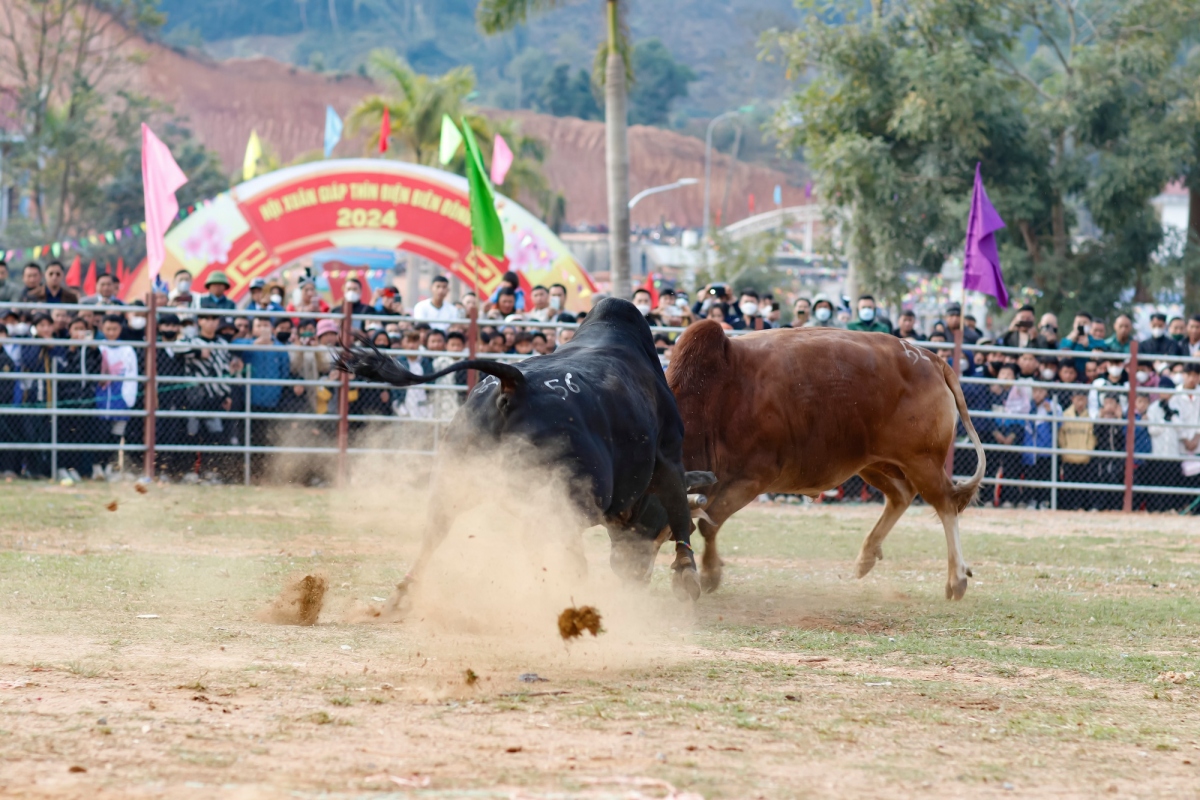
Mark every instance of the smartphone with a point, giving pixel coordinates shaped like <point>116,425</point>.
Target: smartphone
<point>1079,330</point>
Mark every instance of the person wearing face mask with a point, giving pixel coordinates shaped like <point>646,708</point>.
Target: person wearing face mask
<point>866,317</point>
<point>1048,369</point>
<point>37,357</point>
<point>1112,379</point>
<point>558,298</point>
<point>182,286</point>
<point>642,302</point>
<point>822,313</point>
<point>352,293</point>
<point>1187,405</point>
<point>1159,343</point>
<point>750,316</point>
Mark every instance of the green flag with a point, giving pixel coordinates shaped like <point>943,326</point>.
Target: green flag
<point>451,139</point>
<point>486,231</point>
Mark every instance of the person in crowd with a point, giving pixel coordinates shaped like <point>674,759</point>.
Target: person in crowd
<point>666,310</point>
<point>181,286</point>
<point>1076,433</point>
<point>750,317</point>
<point>134,329</point>
<point>1047,338</point>
<point>541,310</point>
<point>306,299</point>
<point>388,302</point>
<point>1122,335</point>
<point>1039,434</point>
<point>906,326</point>
<point>1164,443</point>
<point>511,281</point>
<point>264,364</point>
<point>37,392</point>
<point>822,313</point>
<point>206,358</point>
<point>62,321</point>
<point>10,424</point>
<point>352,293</point>
<point>954,321</point>
<point>264,298</point>
<point>173,395</point>
<point>1112,379</point>
<point>541,344</point>
<point>1099,329</point>
<point>414,402</point>
<point>227,329</point>
<point>642,302</point>
<point>1110,438</point>
<point>1080,340</point>
<point>53,290</point>
<point>1187,404</point>
<point>1191,345</point>
<point>1004,431</point>
<point>505,304</point>
<point>801,312</point>
<point>217,286</point>
<point>372,402</point>
<point>78,366</point>
<point>1020,331</point>
<point>772,311</point>
<point>716,312</point>
<point>558,298</point>
<point>523,345</point>
<point>446,401</point>
<point>565,334</point>
<point>865,319</point>
<point>470,302</point>
<point>1142,470</point>
<point>1048,369</point>
<point>117,389</point>
<point>1177,329</point>
<point>1028,367</point>
<point>1159,343</point>
<point>31,276</point>
<point>10,290</point>
<point>435,341</point>
<point>106,291</point>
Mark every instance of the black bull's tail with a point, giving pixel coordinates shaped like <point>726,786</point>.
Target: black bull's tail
<point>370,364</point>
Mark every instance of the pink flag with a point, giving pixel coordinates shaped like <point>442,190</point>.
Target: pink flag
<point>981,264</point>
<point>161,176</point>
<point>502,159</point>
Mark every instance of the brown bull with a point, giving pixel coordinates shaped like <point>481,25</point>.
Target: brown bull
<point>800,411</point>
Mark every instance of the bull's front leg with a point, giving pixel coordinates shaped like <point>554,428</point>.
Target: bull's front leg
<point>672,492</point>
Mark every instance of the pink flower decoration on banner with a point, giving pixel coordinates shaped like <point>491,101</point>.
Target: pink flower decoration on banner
<point>208,244</point>
<point>526,251</point>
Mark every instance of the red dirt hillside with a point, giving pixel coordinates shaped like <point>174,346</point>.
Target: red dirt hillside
<point>286,105</point>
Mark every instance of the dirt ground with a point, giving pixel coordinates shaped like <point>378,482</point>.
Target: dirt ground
<point>135,660</point>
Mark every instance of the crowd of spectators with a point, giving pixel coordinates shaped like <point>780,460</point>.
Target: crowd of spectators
<point>206,342</point>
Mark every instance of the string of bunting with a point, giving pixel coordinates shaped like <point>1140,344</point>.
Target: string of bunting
<point>91,240</point>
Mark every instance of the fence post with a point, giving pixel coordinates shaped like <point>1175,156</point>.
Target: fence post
<point>344,401</point>
<point>957,367</point>
<point>246,437</point>
<point>1130,428</point>
<point>53,402</point>
<point>150,393</point>
<point>472,341</point>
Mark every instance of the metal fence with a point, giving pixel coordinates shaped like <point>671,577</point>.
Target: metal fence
<point>68,413</point>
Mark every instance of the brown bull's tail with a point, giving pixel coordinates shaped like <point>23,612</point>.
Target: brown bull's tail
<point>964,493</point>
<point>370,364</point>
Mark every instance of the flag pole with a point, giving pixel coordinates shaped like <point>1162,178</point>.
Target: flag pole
<point>150,395</point>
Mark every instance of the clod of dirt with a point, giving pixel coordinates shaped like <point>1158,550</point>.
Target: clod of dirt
<point>76,768</point>
<point>470,677</point>
<point>299,603</point>
<point>112,506</point>
<point>140,488</point>
<point>572,622</point>
<point>514,749</point>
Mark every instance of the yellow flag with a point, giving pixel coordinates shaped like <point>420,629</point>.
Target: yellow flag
<point>253,154</point>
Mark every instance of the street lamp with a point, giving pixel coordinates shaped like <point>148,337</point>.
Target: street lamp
<point>679,184</point>
<point>708,160</point>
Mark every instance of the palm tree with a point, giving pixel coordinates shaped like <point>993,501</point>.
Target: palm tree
<point>501,15</point>
<point>415,104</point>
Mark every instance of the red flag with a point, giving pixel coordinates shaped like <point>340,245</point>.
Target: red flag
<point>72,278</point>
<point>752,203</point>
<point>89,283</point>
<point>385,130</point>
<point>120,273</point>
<point>652,289</point>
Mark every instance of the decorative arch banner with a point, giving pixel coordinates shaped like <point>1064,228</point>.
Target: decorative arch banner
<point>261,225</point>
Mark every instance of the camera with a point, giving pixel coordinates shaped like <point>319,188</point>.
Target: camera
<point>717,289</point>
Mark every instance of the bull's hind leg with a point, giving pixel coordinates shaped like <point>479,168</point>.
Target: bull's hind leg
<point>438,522</point>
<point>931,481</point>
<point>899,494</point>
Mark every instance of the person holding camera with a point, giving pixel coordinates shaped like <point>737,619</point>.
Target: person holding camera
<point>1020,331</point>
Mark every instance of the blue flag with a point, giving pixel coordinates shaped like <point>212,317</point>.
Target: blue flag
<point>778,195</point>
<point>333,130</point>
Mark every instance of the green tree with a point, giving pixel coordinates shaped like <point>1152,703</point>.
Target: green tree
<point>564,96</point>
<point>502,15</point>
<point>62,62</point>
<point>1068,106</point>
<point>415,105</point>
<point>661,80</point>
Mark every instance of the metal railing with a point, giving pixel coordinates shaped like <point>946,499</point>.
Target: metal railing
<point>175,425</point>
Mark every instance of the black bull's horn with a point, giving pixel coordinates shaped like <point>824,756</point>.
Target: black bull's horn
<point>370,364</point>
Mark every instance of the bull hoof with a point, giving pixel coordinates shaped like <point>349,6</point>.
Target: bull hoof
<point>710,580</point>
<point>399,602</point>
<point>866,562</point>
<point>956,589</point>
<point>685,584</point>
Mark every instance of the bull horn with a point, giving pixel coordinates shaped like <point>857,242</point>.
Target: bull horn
<point>370,364</point>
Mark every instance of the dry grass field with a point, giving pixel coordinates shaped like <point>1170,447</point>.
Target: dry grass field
<point>134,662</point>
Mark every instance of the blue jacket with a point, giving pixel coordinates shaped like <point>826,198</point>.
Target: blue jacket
<point>266,365</point>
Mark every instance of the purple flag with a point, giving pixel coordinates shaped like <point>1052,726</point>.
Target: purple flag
<point>981,265</point>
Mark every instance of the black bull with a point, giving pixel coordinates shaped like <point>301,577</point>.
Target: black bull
<point>599,407</point>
